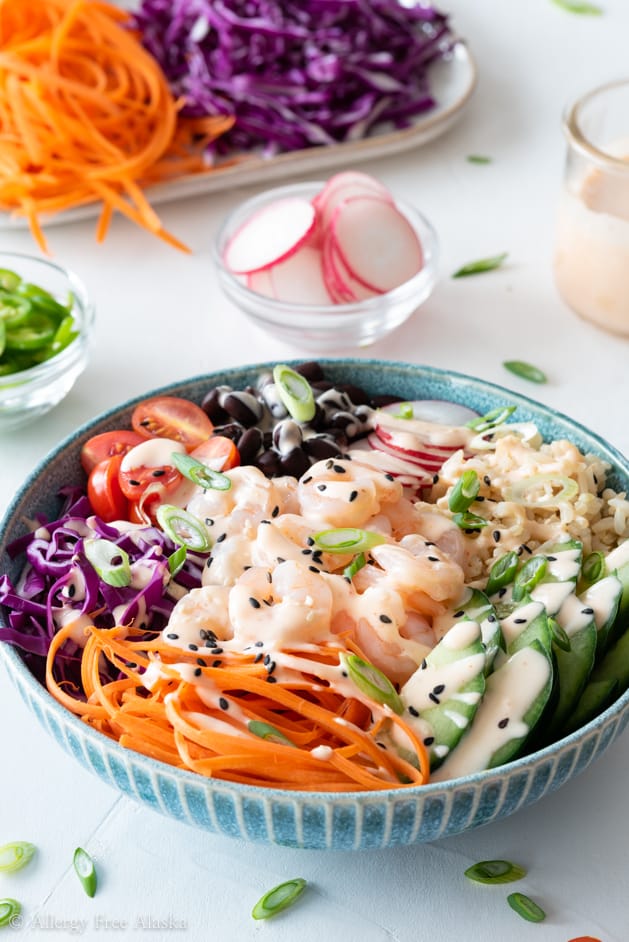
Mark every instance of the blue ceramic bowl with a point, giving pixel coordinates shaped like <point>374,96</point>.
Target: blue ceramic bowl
<point>310,820</point>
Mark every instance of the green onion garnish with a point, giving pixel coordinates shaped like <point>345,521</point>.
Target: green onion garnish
<point>85,870</point>
<point>532,572</point>
<point>502,572</point>
<point>491,419</point>
<point>372,682</point>
<point>183,528</point>
<point>525,371</point>
<point>9,280</point>
<point>480,266</point>
<point>356,564</point>
<point>267,731</point>
<point>109,560</point>
<point>176,560</point>
<point>593,569</point>
<point>579,7</point>
<point>347,540</point>
<point>405,411</point>
<point>464,492</point>
<point>526,907</point>
<point>10,911</point>
<point>478,159</point>
<point>559,637</point>
<point>199,473</point>
<point>542,490</point>
<point>279,898</point>
<point>15,856</point>
<point>495,871</point>
<point>295,392</point>
<point>468,521</point>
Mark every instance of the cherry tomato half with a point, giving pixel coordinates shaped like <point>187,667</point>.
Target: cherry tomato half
<point>218,453</point>
<point>172,417</point>
<point>104,492</point>
<point>107,444</point>
<point>162,480</point>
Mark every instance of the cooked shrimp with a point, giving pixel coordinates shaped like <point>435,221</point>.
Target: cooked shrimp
<point>289,536</point>
<point>418,565</point>
<point>343,493</point>
<point>250,490</point>
<point>199,614</point>
<point>442,531</point>
<point>290,604</point>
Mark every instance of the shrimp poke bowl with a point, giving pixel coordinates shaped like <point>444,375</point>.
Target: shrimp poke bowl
<point>338,604</point>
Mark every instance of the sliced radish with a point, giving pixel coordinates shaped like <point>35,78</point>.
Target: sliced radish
<point>355,288</point>
<point>270,236</point>
<point>262,282</point>
<point>413,446</point>
<point>345,186</point>
<point>377,243</point>
<point>428,464</point>
<point>408,474</point>
<point>300,278</point>
<point>339,290</point>
<point>436,410</point>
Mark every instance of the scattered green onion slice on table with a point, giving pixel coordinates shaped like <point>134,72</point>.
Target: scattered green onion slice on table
<point>495,871</point>
<point>559,636</point>
<point>183,528</point>
<point>526,907</point>
<point>532,572</point>
<point>468,521</point>
<point>502,572</point>
<point>372,682</point>
<point>267,731</point>
<point>481,265</point>
<point>347,540</point>
<point>109,560</point>
<point>295,392</point>
<point>176,560</point>
<point>199,473</point>
<point>15,856</point>
<point>580,7</point>
<point>491,419</point>
<point>542,490</point>
<point>478,159</point>
<point>279,898</point>
<point>464,492</point>
<point>356,564</point>
<point>85,870</point>
<point>525,371</point>
<point>593,569</point>
<point>9,909</point>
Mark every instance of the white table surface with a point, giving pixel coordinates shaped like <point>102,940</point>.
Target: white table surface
<point>161,317</point>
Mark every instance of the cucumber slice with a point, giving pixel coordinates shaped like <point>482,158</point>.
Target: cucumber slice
<point>603,599</point>
<point>562,571</point>
<point>596,697</point>
<point>573,667</point>
<point>515,697</point>
<point>442,696</point>
<point>474,607</point>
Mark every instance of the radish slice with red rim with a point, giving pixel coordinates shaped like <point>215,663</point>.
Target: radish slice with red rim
<point>345,186</point>
<point>300,277</point>
<point>262,282</point>
<point>441,411</point>
<point>270,236</point>
<point>377,243</point>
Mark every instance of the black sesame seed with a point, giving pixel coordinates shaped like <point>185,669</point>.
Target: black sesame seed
<point>429,543</point>
<point>257,658</point>
<point>267,659</point>
<point>267,522</point>
<point>321,487</point>
<point>551,559</point>
<point>338,469</point>
<point>385,619</point>
<point>209,522</point>
<point>307,480</point>
<point>491,618</point>
<point>275,511</point>
<point>310,541</point>
<point>216,650</point>
<point>389,477</point>
<point>329,464</point>
<point>587,611</point>
<point>519,551</point>
<point>479,499</point>
<point>503,723</point>
<point>134,483</point>
<point>496,535</point>
<point>313,569</point>
<point>201,662</point>
<point>487,480</point>
<point>271,667</point>
<point>306,552</point>
<point>458,614</point>
<point>519,621</point>
<point>71,591</point>
<point>259,644</point>
<point>502,591</point>
<point>433,559</point>
<point>424,664</point>
<point>223,704</point>
<point>280,559</point>
<point>219,539</point>
<point>209,562</point>
<point>269,577</point>
<point>253,602</point>
<point>353,496</point>
<point>432,696</point>
<point>413,711</point>
<point>158,473</point>
<point>217,663</point>
<point>429,740</point>
<point>439,688</point>
<point>193,647</point>
<point>527,548</point>
<point>271,680</point>
<point>268,602</point>
<point>198,672</point>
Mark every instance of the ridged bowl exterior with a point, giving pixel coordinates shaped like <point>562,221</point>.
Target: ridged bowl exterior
<point>345,821</point>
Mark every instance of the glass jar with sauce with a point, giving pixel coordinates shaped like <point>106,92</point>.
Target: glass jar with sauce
<point>591,263</point>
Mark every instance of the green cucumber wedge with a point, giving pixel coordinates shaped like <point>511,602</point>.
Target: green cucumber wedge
<point>596,697</point>
<point>574,667</point>
<point>475,607</point>
<point>442,696</point>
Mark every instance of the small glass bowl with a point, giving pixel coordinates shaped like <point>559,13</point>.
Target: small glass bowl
<point>332,327</point>
<point>28,394</point>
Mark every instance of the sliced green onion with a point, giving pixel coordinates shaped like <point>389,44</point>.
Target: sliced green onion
<point>491,419</point>
<point>267,731</point>
<point>10,909</point>
<point>542,490</point>
<point>356,564</point>
<point>559,635</point>
<point>580,7</point>
<point>480,266</point>
<point>464,492</point>
<point>532,572</point>
<point>502,572</point>
<point>85,870</point>
<point>15,856</point>
<point>468,521</point>
<point>199,473</point>
<point>593,569</point>
<point>295,392</point>
<point>495,871</point>
<point>347,540</point>
<point>405,411</point>
<point>478,159</point>
<point>33,334</point>
<point>184,528</point>
<point>109,560</point>
<point>176,560</point>
<point>526,907</point>
<point>526,371</point>
<point>9,280</point>
<point>372,682</point>
<point>279,898</point>
<point>14,311</point>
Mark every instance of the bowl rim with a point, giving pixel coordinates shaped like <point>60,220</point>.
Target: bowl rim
<point>19,671</point>
<point>427,275</point>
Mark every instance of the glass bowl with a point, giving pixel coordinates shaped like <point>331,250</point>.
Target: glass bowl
<point>29,393</point>
<point>332,327</point>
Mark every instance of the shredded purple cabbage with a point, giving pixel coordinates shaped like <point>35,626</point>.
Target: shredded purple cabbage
<point>58,584</point>
<point>296,74</point>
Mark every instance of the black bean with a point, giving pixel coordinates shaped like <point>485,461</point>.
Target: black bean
<point>212,407</point>
<point>358,396</point>
<point>249,445</point>
<point>321,384</point>
<point>243,407</point>
<point>296,462</point>
<point>269,463</point>
<point>320,447</point>
<point>311,370</point>
<point>232,430</point>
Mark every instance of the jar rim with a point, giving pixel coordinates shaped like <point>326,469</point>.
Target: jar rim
<point>580,141</point>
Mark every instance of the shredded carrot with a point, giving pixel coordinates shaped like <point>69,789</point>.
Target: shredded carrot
<point>321,739</point>
<point>86,115</point>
